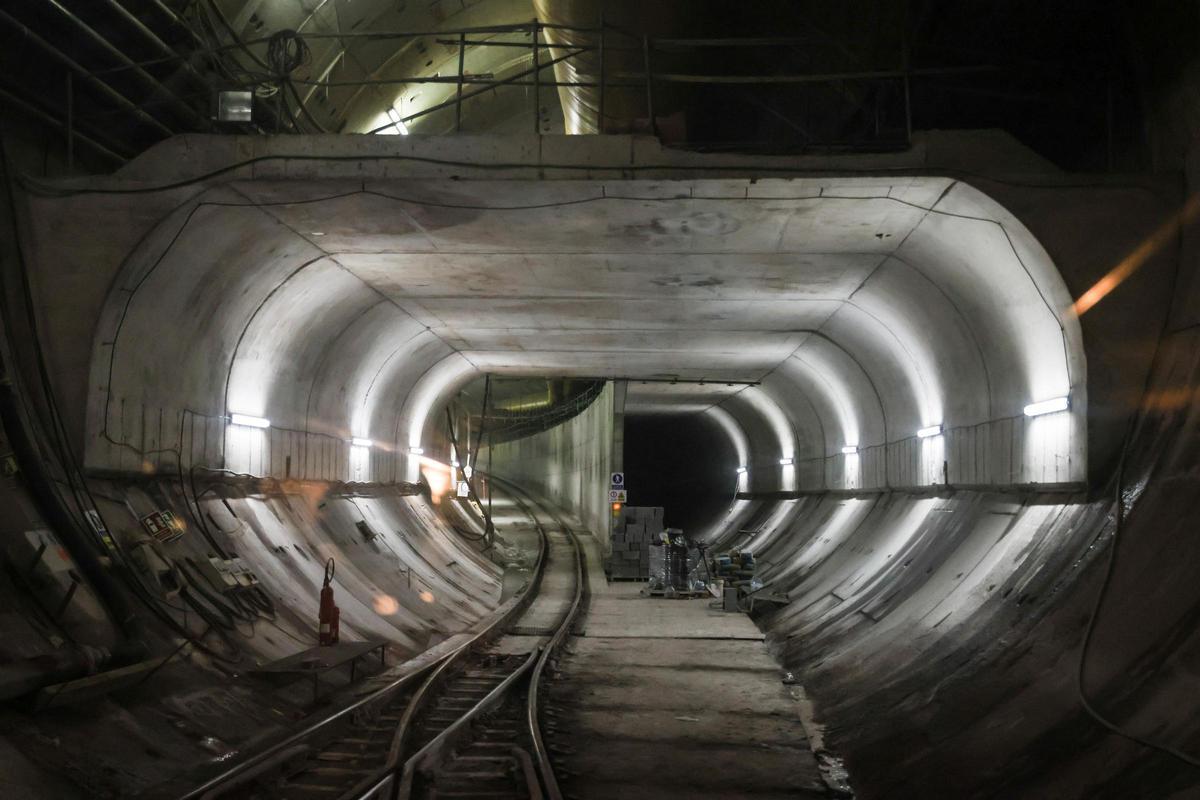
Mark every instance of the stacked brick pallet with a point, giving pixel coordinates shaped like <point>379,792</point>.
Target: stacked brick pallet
<point>633,531</point>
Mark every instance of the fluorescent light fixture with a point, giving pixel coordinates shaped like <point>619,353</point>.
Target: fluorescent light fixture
<point>235,106</point>
<point>454,463</point>
<point>932,430</point>
<point>467,471</point>
<point>249,421</point>
<point>741,470</point>
<point>394,116</point>
<point>785,462</point>
<point>1047,406</point>
<point>850,450</point>
<point>416,451</point>
<point>358,441</point>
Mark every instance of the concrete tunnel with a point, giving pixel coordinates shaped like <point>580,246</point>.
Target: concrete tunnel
<point>944,392</point>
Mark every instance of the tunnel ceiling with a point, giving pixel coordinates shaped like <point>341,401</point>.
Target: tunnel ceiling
<point>847,312</point>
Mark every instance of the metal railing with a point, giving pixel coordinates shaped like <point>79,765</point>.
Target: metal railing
<point>616,64</point>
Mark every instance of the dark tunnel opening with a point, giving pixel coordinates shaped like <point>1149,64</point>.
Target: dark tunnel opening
<point>682,462</point>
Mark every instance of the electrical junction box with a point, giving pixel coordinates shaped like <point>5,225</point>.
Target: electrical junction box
<point>54,556</point>
<point>216,571</point>
<point>241,573</point>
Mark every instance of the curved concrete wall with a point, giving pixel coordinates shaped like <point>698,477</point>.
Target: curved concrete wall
<point>568,464</point>
<point>939,634</point>
<point>336,311</point>
<point>348,290</point>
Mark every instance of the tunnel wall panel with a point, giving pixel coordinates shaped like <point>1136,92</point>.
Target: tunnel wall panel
<point>570,464</point>
<point>940,633</point>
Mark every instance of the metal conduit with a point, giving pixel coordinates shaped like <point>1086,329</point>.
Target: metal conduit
<point>83,72</point>
<point>34,111</point>
<point>146,77</point>
<point>153,38</point>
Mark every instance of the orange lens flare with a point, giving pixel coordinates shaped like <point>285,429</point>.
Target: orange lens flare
<point>439,476</point>
<point>426,596</point>
<point>1141,254</point>
<point>385,605</point>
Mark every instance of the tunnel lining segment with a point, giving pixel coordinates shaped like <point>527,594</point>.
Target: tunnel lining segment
<point>748,266</point>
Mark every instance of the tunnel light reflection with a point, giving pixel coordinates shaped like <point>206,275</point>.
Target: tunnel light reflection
<point>785,462</point>
<point>1047,406</point>
<point>932,430</point>
<point>397,121</point>
<point>249,421</point>
<point>416,451</point>
<point>741,470</point>
<point>358,441</point>
<point>850,450</point>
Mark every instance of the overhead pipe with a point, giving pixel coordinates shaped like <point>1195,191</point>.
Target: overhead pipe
<point>33,110</point>
<point>171,15</point>
<point>85,73</point>
<point>153,38</point>
<point>118,54</point>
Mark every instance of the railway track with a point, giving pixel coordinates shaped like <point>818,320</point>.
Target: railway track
<point>467,725</point>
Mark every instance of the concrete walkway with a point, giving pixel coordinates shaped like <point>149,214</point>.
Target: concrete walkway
<point>672,699</point>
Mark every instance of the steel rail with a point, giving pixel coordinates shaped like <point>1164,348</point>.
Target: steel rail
<point>540,753</point>
<point>437,745</point>
<point>253,766</point>
<point>396,781</point>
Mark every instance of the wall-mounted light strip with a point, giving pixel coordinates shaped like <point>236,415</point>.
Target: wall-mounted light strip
<point>850,449</point>
<point>250,421</point>
<point>1047,406</point>
<point>932,430</point>
<point>785,462</point>
<point>358,441</point>
<point>416,451</point>
<point>741,470</point>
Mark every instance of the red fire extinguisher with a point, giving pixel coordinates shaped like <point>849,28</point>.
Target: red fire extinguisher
<point>329,614</point>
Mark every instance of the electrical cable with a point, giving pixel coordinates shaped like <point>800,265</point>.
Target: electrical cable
<point>1110,569</point>
<point>73,471</point>
<point>745,169</point>
<point>1118,528</point>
